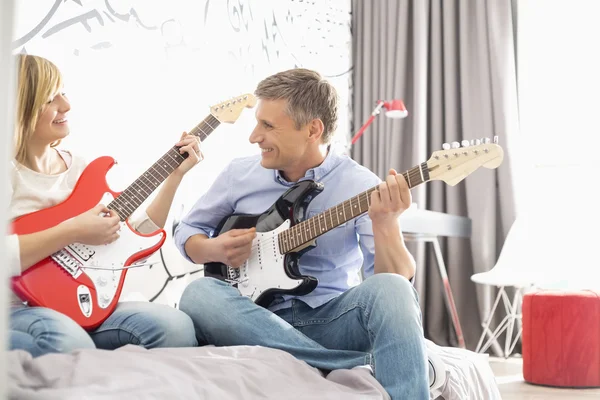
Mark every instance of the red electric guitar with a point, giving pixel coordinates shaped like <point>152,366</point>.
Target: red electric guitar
<point>84,282</point>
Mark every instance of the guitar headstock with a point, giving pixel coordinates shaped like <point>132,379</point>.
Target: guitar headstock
<point>230,110</point>
<point>454,163</point>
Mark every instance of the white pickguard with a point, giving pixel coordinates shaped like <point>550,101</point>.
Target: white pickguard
<point>76,257</point>
<point>265,268</point>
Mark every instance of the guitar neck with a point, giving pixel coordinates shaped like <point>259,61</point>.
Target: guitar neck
<point>135,194</point>
<point>308,230</point>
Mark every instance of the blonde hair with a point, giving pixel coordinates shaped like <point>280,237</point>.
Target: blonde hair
<point>38,80</point>
<point>308,96</point>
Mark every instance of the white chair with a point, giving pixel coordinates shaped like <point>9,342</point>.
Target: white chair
<point>511,271</point>
<point>551,245</point>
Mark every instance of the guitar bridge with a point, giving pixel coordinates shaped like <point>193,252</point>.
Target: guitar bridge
<point>66,261</point>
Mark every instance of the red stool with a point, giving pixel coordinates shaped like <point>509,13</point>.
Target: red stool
<point>561,338</point>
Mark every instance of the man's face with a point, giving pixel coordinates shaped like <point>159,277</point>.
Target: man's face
<point>283,146</point>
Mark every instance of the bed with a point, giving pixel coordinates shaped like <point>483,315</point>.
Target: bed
<point>237,372</point>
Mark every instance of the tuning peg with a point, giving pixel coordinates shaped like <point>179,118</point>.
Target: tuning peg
<point>446,146</point>
<point>486,140</point>
<point>465,143</point>
<point>455,145</point>
<point>496,139</point>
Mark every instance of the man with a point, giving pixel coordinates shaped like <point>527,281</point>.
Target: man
<point>343,323</point>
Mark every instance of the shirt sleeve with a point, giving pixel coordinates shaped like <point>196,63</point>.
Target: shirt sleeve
<point>14,255</point>
<point>208,212</point>
<point>142,223</point>
<point>364,230</point>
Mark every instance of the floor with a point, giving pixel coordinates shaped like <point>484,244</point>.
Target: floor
<point>509,377</point>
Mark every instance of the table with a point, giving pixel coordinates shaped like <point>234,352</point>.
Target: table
<point>427,226</point>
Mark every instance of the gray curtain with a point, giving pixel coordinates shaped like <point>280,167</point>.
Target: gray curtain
<point>453,64</point>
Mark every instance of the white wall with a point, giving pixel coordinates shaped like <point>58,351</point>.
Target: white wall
<point>140,72</point>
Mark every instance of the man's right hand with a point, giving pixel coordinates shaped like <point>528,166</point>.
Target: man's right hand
<point>235,246</point>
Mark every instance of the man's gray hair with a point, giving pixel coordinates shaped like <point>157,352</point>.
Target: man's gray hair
<point>308,96</point>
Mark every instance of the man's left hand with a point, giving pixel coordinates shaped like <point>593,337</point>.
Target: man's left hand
<point>390,200</point>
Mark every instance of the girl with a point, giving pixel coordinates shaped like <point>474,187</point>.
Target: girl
<point>43,175</point>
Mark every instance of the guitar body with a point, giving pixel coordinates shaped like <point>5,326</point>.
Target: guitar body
<point>61,281</point>
<point>268,272</point>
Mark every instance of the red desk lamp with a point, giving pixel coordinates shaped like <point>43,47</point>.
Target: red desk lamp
<point>394,109</point>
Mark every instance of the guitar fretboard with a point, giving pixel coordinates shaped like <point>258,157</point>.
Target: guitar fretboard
<point>306,231</point>
<point>135,194</point>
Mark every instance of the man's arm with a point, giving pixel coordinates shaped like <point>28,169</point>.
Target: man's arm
<point>193,234</point>
<point>196,249</point>
<point>391,254</point>
<point>231,248</point>
<point>203,218</point>
<point>387,253</point>
<point>382,242</point>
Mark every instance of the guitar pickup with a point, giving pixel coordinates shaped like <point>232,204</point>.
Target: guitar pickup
<point>82,251</point>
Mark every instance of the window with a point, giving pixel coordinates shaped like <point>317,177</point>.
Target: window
<point>558,64</point>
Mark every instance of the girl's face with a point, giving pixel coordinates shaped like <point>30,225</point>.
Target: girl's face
<point>52,125</point>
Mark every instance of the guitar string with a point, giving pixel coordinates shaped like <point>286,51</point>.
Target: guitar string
<point>125,202</point>
<point>290,236</point>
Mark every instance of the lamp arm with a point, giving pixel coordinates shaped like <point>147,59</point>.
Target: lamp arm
<point>369,121</point>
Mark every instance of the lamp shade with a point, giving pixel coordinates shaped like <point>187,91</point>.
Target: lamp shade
<point>395,109</point>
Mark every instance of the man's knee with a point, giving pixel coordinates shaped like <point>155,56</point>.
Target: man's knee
<point>392,285</point>
<point>204,295</point>
<point>392,292</point>
<point>176,330</point>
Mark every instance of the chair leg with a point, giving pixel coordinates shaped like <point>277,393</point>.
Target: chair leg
<point>512,317</point>
<point>515,315</point>
<point>493,337</point>
<point>492,341</point>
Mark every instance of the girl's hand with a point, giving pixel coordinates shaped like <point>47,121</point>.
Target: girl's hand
<point>95,227</point>
<point>189,144</point>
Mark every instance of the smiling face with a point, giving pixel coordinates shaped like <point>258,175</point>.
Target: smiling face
<point>296,115</point>
<point>283,146</point>
<point>52,124</point>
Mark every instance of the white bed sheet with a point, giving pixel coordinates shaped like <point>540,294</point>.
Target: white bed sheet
<point>132,372</point>
<point>237,372</point>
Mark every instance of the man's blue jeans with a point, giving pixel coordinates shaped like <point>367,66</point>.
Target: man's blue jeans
<point>377,323</point>
<point>40,330</point>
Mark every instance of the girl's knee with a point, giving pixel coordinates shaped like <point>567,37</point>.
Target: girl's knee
<point>46,331</point>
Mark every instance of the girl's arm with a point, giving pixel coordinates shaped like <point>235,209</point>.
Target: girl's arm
<point>158,210</point>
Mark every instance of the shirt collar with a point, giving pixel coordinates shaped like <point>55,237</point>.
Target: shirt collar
<point>317,173</point>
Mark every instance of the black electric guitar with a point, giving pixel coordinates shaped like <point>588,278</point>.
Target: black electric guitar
<point>272,267</point>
